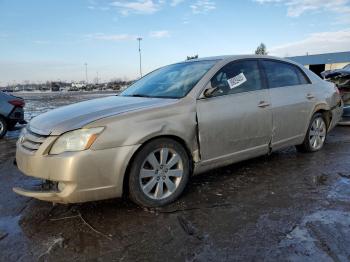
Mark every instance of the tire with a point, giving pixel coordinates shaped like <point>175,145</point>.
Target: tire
<point>159,173</point>
<point>315,135</point>
<point>3,127</point>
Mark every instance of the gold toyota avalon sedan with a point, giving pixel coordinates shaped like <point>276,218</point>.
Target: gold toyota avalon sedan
<point>179,120</point>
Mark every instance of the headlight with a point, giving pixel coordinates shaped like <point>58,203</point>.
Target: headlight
<point>76,140</point>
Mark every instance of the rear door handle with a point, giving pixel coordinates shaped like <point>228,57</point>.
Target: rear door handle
<point>263,104</point>
<point>310,96</point>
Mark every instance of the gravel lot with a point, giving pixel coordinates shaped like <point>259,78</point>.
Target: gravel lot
<point>284,207</point>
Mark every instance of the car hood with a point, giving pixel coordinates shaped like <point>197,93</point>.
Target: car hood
<point>335,73</point>
<point>66,118</point>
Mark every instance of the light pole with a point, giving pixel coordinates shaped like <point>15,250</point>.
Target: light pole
<point>139,39</point>
<point>86,75</point>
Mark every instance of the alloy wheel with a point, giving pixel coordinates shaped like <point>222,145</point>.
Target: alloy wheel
<point>317,134</point>
<point>1,127</point>
<point>161,173</point>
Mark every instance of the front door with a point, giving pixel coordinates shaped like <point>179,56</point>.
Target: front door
<point>235,122</point>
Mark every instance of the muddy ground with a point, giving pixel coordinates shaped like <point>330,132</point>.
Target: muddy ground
<point>284,207</point>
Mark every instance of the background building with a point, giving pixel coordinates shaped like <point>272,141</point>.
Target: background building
<point>321,62</point>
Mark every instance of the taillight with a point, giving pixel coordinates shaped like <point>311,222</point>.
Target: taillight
<point>18,103</point>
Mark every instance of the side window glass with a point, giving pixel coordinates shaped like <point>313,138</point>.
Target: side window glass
<point>303,79</point>
<point>237,77</point>
<point>281,74</point>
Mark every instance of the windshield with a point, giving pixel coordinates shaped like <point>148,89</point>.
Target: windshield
<point>173,81</point>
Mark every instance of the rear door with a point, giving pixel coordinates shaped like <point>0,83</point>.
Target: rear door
<point>292,101</point>
<point>236,121</point>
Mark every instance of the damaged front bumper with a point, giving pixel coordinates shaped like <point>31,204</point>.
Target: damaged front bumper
<point>73,177</point>
<point>41,189</point>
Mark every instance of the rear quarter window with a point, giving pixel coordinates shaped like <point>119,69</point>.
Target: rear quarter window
<point>281,74</point>
<point>302,77</point>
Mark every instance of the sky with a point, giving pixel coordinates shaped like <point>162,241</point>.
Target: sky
<point>51,40</point>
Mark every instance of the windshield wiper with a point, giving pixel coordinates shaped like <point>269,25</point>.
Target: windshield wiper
<point>139,95</point>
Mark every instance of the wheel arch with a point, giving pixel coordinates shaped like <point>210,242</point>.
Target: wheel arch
<point>326,113</point>
<point>178,139</point>
<point>4,120</point>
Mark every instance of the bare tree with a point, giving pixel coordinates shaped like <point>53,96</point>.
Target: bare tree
<point>192,57</point>
<point>261,50</point>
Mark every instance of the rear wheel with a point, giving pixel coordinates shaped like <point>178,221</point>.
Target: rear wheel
<point>3,126</point>
<point>315,136</point>
<point>159,173</point>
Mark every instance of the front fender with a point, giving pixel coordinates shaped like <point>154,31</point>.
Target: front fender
<point>138,127</point>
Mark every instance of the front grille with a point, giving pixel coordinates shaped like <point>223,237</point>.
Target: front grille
<point>32,141</point>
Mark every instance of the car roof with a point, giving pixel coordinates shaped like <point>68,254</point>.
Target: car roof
<point>236,57</point>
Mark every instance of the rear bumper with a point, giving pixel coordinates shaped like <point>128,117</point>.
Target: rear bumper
<point>345,121</point>
<point>336,116</point>
<point>80,176</point>
<point>17,114</point>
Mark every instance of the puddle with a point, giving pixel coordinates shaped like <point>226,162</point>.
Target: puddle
<point>321,236</point>
<point>340,190</point>
<point>15,133</point>
<point>10,225</point>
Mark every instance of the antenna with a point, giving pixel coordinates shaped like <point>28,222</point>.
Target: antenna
<point>86,74</point>
<point>140,39</point>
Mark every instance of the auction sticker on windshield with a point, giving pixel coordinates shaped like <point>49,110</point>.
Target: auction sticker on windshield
<point>237,80</point>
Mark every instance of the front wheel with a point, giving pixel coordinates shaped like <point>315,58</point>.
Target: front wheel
<point>3,126</point>
<point>159,173</point>
<point>315,136</point>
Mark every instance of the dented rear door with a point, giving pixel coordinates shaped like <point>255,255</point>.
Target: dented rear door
<point>292,102</point>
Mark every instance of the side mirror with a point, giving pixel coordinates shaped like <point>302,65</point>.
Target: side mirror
<point>209,91</point>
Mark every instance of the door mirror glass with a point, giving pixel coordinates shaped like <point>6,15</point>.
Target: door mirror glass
<point>209,91</point>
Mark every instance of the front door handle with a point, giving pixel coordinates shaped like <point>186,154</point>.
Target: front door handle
<point>310,96</point>
<point>263,104</point>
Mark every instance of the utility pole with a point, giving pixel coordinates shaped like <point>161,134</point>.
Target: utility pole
<point>139,39</point>
<point>86,74</point>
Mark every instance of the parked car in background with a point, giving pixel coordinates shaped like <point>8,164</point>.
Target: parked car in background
<point>343,73</point>
<point>11,112</point>
<point>179,120</point>
<point>341,77</point>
